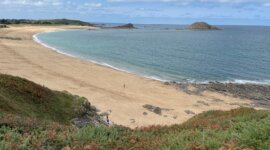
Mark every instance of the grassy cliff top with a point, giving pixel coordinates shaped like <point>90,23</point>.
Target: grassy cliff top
<point>24,98</point>
<point>24,106</point>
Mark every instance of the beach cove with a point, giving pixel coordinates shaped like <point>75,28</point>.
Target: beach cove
<point>121,94</point>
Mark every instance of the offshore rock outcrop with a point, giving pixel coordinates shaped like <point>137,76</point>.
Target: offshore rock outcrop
<point>126,26</point>
<point>202,26</point>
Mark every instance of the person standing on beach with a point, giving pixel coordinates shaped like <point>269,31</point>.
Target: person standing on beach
<point>107,119</point>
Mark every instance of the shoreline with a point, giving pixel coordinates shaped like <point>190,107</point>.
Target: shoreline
<point>165,81</point>
<point>35,38</point>
<point>121,94</point>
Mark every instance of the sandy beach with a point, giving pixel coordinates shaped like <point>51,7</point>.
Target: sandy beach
<point>104,87</point>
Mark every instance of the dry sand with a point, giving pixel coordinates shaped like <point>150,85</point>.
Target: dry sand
<point>101,85</point>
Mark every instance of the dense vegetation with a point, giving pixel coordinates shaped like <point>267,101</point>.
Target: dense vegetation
<point>34,117</point>
<point>45,22</point>
<point>25,98</point>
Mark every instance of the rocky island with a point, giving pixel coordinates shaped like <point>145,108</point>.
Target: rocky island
<point>126,26</point>
<point>202,26</point>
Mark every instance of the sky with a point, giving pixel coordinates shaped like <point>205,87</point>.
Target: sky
<point>217,12</point>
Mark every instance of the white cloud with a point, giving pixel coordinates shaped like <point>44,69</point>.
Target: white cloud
<point>235,1</point>
<point>50,4</point>
<point>266,4</point>
<point>92,5</point>
<point>199,1</point>
<point>145,0</point>
<point>30,2</point>
<point>84,7</point>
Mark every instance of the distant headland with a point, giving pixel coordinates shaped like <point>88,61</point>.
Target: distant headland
<point>202,26</point>
<point>45,22</point>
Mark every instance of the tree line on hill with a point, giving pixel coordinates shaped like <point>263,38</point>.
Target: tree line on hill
<point>45,22</point>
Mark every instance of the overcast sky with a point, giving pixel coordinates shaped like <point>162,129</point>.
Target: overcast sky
<point>248,12</point>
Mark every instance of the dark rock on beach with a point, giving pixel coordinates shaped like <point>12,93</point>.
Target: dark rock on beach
<point>259,93</point>
<point>145,113</point>
<point>203,103</point>
<point>154,109</point>
<point>88,115</point>
<point>189,112</point>
<point>249,91</point>
<point>202,26</point>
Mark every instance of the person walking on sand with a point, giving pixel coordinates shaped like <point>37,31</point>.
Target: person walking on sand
<point>124,86</point>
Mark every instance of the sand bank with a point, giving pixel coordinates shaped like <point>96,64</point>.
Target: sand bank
<point>20,55</point>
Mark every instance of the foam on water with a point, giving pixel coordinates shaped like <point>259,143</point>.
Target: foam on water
<point>35,38</point>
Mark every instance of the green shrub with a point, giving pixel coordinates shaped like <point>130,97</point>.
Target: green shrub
<point>254,133</point>
<point>100,134</point>
<point>3,145</point>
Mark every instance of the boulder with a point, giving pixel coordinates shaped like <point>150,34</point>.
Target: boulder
<point>154,109</point>
<point>87,115</point>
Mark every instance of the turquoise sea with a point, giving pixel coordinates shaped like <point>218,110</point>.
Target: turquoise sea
<point>167,52</point>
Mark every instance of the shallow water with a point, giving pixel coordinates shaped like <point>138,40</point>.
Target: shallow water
<point>234,54</point>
